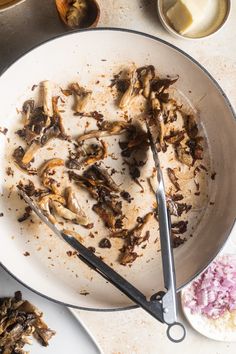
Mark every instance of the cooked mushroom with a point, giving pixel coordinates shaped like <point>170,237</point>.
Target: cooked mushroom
<point>50,164</point>
<point>146,74</point>
<point>191,126</point>
<point>74,234</point>
<point>84,182</point>
<point>179,227</point>
<point>30,153</point>
<point>128,256</point>
<point>27,109</point>
<point>47,98</point>
<point>73,205</point>
<point>131,91</point>
<point>133,238</point>
<point>159,121</point>
<point>161,85</point>
<point>76,13</point>
<point>45,204</point>
<point>107,129</point>
<point>99,153</point>
<point>82,97</point>
<point>183,155</point>
<point>66,213</point>
<point>44,173</point>
<point>106,215</point>
<point>176,208</point>
<point>136,140</point>
<point>173,178</point>
<point>19,320</point>
<point>101,174</point>
<point>137,230</point>
<point>18,155</point>
<point>72,12</point>
<point>58,118</point>
<point>196,148</point>
<point>174,137</point>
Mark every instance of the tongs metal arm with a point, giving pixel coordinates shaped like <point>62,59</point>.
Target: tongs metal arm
<point>169,302</point>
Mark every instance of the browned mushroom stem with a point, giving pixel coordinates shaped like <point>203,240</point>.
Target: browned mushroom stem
<point>85,183</point>
<point>82,97</point>
<point>73,205</point>
<point>47,98</point>
<point>107,129</point>
<point>132,89</point>
<point>44,173</point>
<point>67,214</point>
<point>146,74</point>
<point>159,121</point>
<point>106,215</point>
<point>45,205</point>
<point>101,174</point>
<point>27,109</point>
<point>30,153</point>
<point>50,164</point>
<point>173,178</point>
<point>57,117</point>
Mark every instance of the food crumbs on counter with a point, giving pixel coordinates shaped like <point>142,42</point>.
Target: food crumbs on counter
<point>26,254</point>
<point>1,215</point>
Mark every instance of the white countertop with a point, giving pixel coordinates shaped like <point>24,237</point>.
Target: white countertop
<point>135,332</point>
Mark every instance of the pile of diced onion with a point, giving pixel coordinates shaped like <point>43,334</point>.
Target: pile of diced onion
<point>214,291</point>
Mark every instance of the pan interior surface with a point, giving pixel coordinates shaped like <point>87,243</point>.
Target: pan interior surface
<point>47,269</point>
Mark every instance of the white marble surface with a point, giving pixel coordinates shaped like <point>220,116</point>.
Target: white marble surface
<point>135,332</point>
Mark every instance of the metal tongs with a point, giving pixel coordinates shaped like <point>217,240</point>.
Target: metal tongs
<point>161,305</point>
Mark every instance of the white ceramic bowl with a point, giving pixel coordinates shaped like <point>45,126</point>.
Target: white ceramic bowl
<point>10,4</point>
<point>161,9</point>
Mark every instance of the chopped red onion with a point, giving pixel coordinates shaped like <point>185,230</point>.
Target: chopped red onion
<point>214,291</point>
